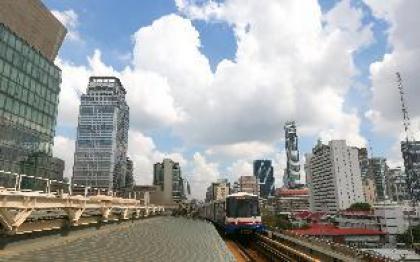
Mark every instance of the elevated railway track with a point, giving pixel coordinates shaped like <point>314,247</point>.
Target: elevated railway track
<point>25,212</point>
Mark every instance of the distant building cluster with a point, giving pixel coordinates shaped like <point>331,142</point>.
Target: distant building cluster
<point>169,183</point>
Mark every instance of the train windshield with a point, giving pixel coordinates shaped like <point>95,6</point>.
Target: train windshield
<point>242,207</point>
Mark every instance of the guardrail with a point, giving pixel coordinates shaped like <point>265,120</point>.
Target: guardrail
<point>55,201</point>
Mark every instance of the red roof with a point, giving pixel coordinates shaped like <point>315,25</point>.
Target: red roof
<point>308,215</point>
<point>357,213</point>
<point>331,230</point>
<point>292,192</point>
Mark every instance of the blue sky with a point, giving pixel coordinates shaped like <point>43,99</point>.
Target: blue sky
<point>110,27</point>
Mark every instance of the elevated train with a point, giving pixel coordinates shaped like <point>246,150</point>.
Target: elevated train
<point>239,213</point>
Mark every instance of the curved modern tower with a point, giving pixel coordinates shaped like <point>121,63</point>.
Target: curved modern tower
<point>292,171</point>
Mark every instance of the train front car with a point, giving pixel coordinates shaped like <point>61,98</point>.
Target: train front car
<point>242,214</point>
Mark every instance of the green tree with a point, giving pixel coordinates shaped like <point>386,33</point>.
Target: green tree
<point>360,206</point>
<point>406,237</point>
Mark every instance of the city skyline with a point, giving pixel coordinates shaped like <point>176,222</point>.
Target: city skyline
<point>328,99</point>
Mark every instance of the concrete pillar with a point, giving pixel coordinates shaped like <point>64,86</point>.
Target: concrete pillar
<point>12,221</point>
<point>74,214</point>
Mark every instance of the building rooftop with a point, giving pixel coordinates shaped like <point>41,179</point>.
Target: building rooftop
<point>32,21</point>
<point>292,192</point>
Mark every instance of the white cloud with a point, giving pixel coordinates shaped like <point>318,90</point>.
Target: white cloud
<point>202,174</point>
<point>144,154</point>
<point>285,67</point>
<point>64,149</point>
<point>70,20</point>
<point>247,150</point>
<point>292,62</point>
<point>404,44</point>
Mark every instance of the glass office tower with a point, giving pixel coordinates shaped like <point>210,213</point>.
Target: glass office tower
<point>100,159</point>
<point>29,89</point>
<point>264,172</point>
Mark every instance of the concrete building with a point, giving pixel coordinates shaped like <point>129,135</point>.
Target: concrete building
<point>291,200</point>
<point>30,37</point>
<point>249,184</point>
<point>100,159</point>
<point>218,190</point>
<point>396,218</point>
<point>292,171</point>
<point>169,183</point>
<point>263,171</point>
<point>334,178</point>
<point>397,185</point>
<point>377,170</point>
<point>411,155</point>
<point>369,190</point>
<point>236,187</point>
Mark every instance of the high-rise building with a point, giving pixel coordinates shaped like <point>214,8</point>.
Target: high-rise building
<point>169,183</point>
<point>100,159</point>
<point>377,170</point>
<point>30,37</point>
<point>333,176</point>
<point>292,171</point>
<point>397,185</point>
<point>363,161</point>
<point>263,171</point>
<point>249,184</point>
<point>411,155</point>
<point>129,176</point>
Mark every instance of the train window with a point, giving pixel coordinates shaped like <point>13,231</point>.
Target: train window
<point>244,207</point>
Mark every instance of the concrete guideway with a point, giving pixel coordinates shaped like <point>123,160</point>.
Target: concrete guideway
<point>17,206</point>
<point>157,239</point>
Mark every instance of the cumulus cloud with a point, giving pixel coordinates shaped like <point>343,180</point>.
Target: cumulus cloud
<point>70,20</point>
<point>144,154</point>
<point>403,56</point>
<point>289,58</point>
<point>203,173</point>
<point>64,148</point>
<point>292,63</point>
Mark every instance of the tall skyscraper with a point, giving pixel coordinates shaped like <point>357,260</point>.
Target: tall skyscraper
<point>292,171</point>
<point>100,159</point>
<point>168,179</point>
<point>334,178</point>
<point>411,155</point>
<point>30,37</point>
<point>263,171</point>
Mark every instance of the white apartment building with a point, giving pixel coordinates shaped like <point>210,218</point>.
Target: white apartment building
<point>334,177</point>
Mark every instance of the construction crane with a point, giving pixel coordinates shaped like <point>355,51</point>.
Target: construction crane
<point>406,118</point>
<point>408,155</point>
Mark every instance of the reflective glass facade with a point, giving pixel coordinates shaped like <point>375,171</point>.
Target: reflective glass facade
<point>264,172</point>
<point>29,91</point>
<point>100,159</point>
